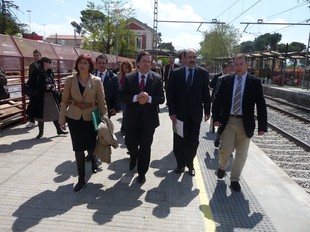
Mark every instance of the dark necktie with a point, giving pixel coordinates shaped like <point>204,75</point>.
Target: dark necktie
<point>237,98</point>
<point>170,69</point>
<point>142,83</point>
<point>189,80</point>
<point>100,75</point>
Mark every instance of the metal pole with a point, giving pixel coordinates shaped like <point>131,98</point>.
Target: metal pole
<point>306,64</point>
<point>29,11</point>
<point>75,43</point>
<point>284,65</point>
<point>116,45</point>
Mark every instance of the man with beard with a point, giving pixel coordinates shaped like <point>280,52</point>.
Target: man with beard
<point>188,96</point>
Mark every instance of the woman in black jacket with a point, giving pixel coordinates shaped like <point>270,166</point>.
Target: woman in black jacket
<point>44,105</point>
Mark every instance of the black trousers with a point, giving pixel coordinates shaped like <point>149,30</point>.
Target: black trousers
<point>139,141</point>
<point>185,149</point>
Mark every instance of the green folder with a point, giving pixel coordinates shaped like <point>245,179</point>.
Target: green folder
<point>96,118</point>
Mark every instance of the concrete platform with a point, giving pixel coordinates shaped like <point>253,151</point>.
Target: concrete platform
<point>37,178</point>
<point>289,93</point>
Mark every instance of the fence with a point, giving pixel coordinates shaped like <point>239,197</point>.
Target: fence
<point>15,58</point>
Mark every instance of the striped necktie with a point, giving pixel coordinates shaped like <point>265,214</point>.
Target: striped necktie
<point>142,83</point>
<point>237,98</point>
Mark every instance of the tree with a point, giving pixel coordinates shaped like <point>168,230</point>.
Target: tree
<point>218,42</point>
<point>292,47</point>
<point>267,42</point>
<point>103,25</point>
<point>247,47</point>
<point>8,20</point>
<point>78,28</point>
<point>166,46</point>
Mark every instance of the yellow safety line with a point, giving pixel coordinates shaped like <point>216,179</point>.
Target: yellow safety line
<point>204,200</point>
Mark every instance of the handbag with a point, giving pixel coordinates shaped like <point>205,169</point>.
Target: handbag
<point>4,93</point>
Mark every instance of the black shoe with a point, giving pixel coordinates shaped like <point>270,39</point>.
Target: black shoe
<point>220,173</point>
<point>141,179</point>
<point>40,135</point>
<point>234,185</point>
<point>217,143</point>
<point>132,164</point>
<point>78,187</point>
<point>179,170</point>
<point>61,132</point>
<point>191,171</point>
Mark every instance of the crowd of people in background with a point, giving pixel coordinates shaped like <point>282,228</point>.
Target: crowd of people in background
<point>137,89</point>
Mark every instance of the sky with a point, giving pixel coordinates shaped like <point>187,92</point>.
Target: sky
<point>49,17</point>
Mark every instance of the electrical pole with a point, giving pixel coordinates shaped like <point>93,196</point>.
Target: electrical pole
<point>29,11</point>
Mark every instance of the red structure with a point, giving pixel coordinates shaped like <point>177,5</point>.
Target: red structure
<point>15,58</point>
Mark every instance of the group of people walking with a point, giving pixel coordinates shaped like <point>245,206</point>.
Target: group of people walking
<point>139,92</point>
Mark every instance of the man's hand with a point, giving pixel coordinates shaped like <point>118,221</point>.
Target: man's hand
<point>173,118</point>
<point>142,98</point>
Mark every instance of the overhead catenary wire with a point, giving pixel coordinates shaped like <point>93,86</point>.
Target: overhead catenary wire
<point>245,11</point>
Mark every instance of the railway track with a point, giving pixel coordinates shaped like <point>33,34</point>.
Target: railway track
<point>287,142</point>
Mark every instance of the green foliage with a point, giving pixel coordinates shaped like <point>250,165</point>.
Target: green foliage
<point>292,47</point>
<point>267,42</point>
<point>220,41</point>
<point>166,46</point>
<point>247,47</point>
<point>105,25</point>
<point>8,20</point>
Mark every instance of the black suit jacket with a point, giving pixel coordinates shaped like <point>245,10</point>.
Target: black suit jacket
<point>167,67</point>
<point>135,112</point>
<point>190,106</point>
<point>214,80</point>
<point>253,95</point>
<point>111,87</point>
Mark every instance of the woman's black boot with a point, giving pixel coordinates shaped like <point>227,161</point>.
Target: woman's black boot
<point>41,130</point>
<point>80,163</point>
<point>94,166</point>
<point>59,130</point>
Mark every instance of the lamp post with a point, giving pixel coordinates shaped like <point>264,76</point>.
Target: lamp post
<point>29,11</point>
<point>44,30</point>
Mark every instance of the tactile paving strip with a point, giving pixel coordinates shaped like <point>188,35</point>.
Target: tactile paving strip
<point>231,211</point>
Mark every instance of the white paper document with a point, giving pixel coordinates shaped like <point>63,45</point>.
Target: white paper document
<point>178,128</point>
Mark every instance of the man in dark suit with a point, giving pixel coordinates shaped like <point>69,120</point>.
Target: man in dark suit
<point>142,92</point>
<point>225,70</point>
<point>188,96</point>
<point>33,70</point>
<point>233,112</point>
<point>110,83</point>
<point>215,82</point>
<point>168,70</point>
